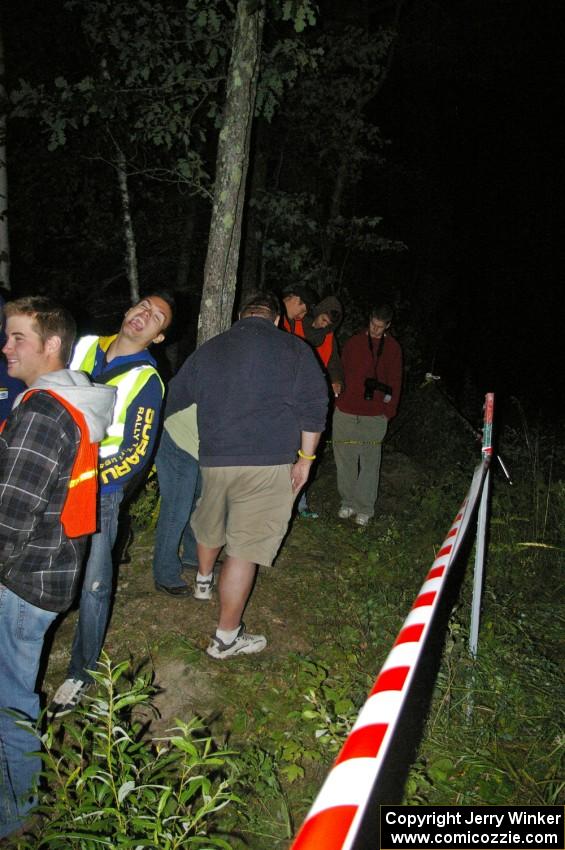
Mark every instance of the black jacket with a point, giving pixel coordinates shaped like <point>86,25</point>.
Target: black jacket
<point>256,389</point>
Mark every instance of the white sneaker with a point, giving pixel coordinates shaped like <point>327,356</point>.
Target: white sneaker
<point>345,513</point>
<point>203,589</point>
<point>362,520</point>
<point>243,644</point>
<point>67,697</point>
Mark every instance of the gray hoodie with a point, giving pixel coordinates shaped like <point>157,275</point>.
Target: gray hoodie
<point>38,561</point>
<point>95,401</point>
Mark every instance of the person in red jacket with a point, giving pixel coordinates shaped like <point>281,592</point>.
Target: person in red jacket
<point>372,363</point>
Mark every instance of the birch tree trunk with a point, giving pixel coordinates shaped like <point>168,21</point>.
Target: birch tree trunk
<point>4,240</point>
<point>129,235</point>
<point>220,270</point>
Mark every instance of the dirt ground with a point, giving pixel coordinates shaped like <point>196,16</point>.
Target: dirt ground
<point>170,635</point>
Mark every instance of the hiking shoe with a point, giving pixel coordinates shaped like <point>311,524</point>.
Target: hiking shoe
<point>243,644</point>
<point>345,513</point>
<point>362,520</point>
<point>308,514</point>
<point>67,697</point>
<point>203,589</point>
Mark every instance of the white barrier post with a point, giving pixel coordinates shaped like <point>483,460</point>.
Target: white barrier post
<point>482,528</point>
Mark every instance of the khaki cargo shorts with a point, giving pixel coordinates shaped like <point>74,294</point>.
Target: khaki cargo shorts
<point>244,508</point>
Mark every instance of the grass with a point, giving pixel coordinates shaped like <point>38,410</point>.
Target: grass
<point>332,609</point>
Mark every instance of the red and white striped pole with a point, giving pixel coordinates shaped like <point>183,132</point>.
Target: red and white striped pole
<point>334,819</point>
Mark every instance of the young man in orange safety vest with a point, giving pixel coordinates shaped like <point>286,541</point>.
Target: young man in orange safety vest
<point>48,474</point>
<point>297,300</point>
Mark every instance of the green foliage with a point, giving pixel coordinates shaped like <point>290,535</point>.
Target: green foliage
<point>106,785</point>
<point>494,733</point>
<point>301,12</point>
<point>152,91</point>
<point>144,509</point>
<point>281,67</point>
<point>268,813</point>
<point>328,81</point>
<point>494,730</point>
<point>331,711</point>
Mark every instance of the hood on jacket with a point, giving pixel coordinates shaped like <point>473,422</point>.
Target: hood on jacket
<point>331,306</point>
<point>316,336</point>
<point>95,401</point>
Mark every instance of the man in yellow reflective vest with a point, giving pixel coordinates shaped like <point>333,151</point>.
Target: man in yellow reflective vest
<point>124,362</point>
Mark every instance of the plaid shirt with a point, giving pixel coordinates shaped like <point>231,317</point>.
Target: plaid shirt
<point>37,450</point>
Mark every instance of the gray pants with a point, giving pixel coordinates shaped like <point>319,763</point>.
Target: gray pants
<point>357,452</point>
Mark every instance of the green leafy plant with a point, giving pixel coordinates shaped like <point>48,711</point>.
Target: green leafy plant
<point>144,509</point>
<point>106,785</point>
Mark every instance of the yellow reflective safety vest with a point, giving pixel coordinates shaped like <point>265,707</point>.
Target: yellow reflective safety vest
<point>128,384</point>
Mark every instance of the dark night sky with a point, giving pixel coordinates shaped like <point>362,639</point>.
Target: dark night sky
<point>475,183</point>
<point>475,96</point>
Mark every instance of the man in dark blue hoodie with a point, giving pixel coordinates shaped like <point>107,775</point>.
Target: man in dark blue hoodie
<point>261,400</point>
<point>9,387</point>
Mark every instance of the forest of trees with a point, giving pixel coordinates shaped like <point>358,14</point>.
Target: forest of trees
<point>215,147</point>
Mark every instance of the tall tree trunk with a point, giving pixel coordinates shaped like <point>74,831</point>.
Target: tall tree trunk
<point>4,240</point>
<point>220,270</point>
<point>129,235</point>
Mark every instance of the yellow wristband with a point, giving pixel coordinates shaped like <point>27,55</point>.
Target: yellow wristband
<point>305,457</point>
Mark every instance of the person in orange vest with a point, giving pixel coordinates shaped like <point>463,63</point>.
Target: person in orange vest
<point>48,469</point>
<point>297,300</point>
<point>319,328</point>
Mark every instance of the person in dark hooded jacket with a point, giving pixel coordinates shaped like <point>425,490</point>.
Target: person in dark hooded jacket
<point>319,331</point>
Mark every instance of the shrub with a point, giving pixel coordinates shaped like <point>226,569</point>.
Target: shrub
<point>107,785</point>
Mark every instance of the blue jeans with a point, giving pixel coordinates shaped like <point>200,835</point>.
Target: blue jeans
<point>22,629</point>
<point>179,485</point>
<point>96,595</point>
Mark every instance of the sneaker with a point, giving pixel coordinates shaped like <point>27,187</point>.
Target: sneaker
<point>67,697</point>
<point>243,644</point>
<point>308,514</point>
<point>345,513</point>
<point>203,589</point>
<point>362,520</point>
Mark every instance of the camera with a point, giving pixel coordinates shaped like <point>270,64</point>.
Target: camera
<point>372,385</point>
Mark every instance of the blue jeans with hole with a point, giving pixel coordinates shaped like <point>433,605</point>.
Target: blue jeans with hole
<point>179,486</point>
<point>22,630</point>
<point>96,595</point>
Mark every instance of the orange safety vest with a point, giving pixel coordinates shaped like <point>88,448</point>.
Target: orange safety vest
<point>78,516</point>
<point>298,328</point>
<point>325,349</point>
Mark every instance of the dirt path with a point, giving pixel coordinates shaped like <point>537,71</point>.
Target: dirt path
<point>169,635</point>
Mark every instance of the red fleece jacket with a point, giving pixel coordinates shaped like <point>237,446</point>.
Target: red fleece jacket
<point>359,363</point>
